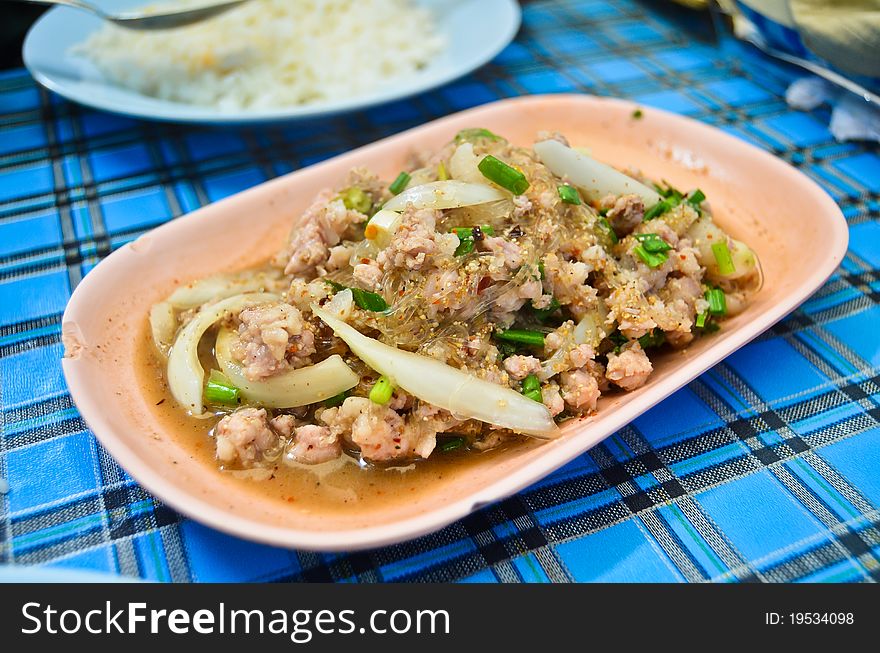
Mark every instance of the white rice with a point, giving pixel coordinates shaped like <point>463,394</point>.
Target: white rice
<point>271,53</point>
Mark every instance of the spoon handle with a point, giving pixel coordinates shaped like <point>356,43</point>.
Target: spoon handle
<point>76,4</point>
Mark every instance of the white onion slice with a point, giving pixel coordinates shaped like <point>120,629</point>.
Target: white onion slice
<point>221,286</point>
<point>185,374</point>
<point>463,165</point>
<point>594,178</point>
<point>382,226</point>
<point>449,194</point>
<point>163,325</point>
<point>299,387</point>
<point>446,387</point>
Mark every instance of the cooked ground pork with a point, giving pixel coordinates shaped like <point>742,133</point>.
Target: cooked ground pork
<point>630,368</point>
<point>272,338</point>
<point>525,290</point>
<point>244,436</point>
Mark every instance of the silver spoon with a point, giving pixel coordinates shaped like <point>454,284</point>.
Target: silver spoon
<point>147,21</point>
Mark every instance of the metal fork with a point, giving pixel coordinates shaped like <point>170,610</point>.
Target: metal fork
<point>149,21</point>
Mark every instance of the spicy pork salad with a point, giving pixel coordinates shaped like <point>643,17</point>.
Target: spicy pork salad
<point>485,294</point>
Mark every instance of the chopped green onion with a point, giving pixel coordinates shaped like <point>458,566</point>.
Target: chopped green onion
<point>637,114</point>
<point>468,232</point>
<point>653,339</point>
<point>336,400</point>
<point>356,199</point>
<point>619,340</point>
<point>506,349</point>
<point>696,197</point>
<point>219,389</point>
<point>504,175</point>
<point>541,269</point>
<point>653,243</point>
<point>400,183</point>
<point>453,443</point>
<point>541,314</point>
<point>475,133</point>
<point>465,246</point>
<point>669,192</point>
<point>365,299</point>
<point>651,259</point>
<point>610,230</point>
<point>524,336</point>
<point>442,175</point>
<point>466,238</point>
<point>568,194</point>
<point>381,391</point>
<point>531,388</point>
<point>723,258</point>
<point>701,320</point>
<point>658,209</point>
<point>717,301</point>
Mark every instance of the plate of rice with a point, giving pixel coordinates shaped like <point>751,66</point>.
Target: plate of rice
<point>267,60</point>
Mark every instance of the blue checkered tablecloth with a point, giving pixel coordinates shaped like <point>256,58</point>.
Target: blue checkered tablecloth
<point>754,471</point>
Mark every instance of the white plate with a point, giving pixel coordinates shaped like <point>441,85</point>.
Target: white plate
<point>475,31</point>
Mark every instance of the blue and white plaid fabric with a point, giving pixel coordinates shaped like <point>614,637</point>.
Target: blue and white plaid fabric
<point>765,468</point>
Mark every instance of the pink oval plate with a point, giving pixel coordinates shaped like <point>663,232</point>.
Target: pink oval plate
<point>796,228</point>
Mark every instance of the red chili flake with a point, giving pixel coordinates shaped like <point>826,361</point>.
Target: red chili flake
<point>365,260</point>
<point>485,282</point>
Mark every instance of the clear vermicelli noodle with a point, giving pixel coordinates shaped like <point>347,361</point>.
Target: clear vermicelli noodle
<point>486,294</point>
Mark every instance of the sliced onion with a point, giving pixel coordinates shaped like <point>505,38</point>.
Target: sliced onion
<point>186,377</point>
<point>341,305</point>
<point>463,165</point>
<point>704,233</point>
<point>594,178</point>
<point>300,387</point>
<point>446,387</point>
<point>382,227</point>
<point>221,286</point>
<point>163,325</point>
<point>449,194</point>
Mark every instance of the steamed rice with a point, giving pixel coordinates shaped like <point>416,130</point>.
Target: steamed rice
<point>271,53</point>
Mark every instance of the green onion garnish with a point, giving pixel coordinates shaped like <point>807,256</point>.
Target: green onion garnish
<point>442,175</point>
<point>504,175</point>
<point>369,301</point>
<point>651,259</point>
<point>657,210</point>
<point>336,400</point>
<point>653,339</point>
<point>723,258</point>
<point>531,388</point>
<point>696,197</point>
<point>468,232</point>
<point>653,243</point>
<point>637,114</point>
<point>717,301</point>
<point>524,336</point>
<point>603,222</point>
<point>356,200</point>
<point>451,444</point>
<point>541,269</point>
<point>400,183</point>
<point>541,314</point>
<point>701,320</point>
<point>219,389</point>
<point>475,133</point>
<point>466,239</point>
<point>568,194</point>
<point>619,340</point>
<point>465,246</point>
<point>381,391</point>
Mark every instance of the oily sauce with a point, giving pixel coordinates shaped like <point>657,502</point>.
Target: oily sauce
<point>341,486</point>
